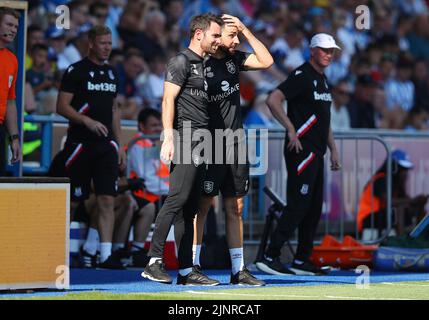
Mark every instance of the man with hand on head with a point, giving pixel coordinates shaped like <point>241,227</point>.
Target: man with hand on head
<point>231,177</point>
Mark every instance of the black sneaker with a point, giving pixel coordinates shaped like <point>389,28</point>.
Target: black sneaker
<point>195,278</point>
<point>197,268</point>
<point>272,266</point>
<point>124,256</point>
<point>244,277</point>
<point>308,269</point>
<point>139,259</point>
<point>113,262</point>
<point>156,272</point>
<point>86,259</point>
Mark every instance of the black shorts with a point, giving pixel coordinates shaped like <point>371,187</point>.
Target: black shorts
<point>231,177</point>
<point>142,202</point>
<point>92,161</point>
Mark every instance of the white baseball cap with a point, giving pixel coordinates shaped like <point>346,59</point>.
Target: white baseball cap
<point>323,40</point>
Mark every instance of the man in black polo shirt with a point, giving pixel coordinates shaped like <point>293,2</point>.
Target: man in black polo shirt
<point>92,151</point>
<point>231,177</point>
<point>308,134</point>
<point>184,108</point>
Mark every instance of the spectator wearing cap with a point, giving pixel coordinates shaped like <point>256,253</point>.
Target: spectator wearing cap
<point>361,109</point>
<point>372,215</point>
<point>400,96</point>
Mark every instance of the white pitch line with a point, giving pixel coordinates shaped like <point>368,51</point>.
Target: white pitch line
<point>404,284</point>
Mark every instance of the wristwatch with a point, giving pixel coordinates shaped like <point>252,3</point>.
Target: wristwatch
<point>14,137</point>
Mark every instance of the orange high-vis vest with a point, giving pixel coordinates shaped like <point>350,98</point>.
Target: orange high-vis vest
<point>162,172</point>
<point>369,203</point>
<point>8,74</point>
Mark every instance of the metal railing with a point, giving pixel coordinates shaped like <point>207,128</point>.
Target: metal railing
<point>361,153</point>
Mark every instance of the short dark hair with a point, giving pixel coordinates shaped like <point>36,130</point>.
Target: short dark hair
<point>8,11</point>
<point>38,47</point>
<point>203,22</point>
<point>133,52</point>
<point>146,113</point>
<point>33,28</point>
<point>96,31</point>
<point>94,6</point>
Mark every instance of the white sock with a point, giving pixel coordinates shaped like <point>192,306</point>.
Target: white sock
<point>137,246</point>
<point>185,272</point>
<point>196,250</point>
<point>92,241</point>
<point>152,260</point>
<point>298,261</point>
<point>105,251</point>
<point>117,246</point>
<point>237,260</point>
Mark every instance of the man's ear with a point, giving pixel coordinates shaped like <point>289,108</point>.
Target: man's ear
<point>199,34</point>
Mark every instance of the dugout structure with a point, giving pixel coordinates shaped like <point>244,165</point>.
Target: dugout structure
<point>34,233</point>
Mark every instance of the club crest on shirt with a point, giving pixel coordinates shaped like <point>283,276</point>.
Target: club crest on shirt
<point>208,186</point>
<point>326,85</point>
<point>206,86</point>
<point>208,72</point>
<point>230,66</point>
<point>91,73</point>
<point>304,189</point>
<point>111,75</point>
<point>10,81</point>
<point>315,83</point>
<point>194,69</point>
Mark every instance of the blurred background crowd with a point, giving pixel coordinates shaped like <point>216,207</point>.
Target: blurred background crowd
<point>380,77</point>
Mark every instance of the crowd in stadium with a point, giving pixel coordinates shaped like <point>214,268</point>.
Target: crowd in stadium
<point>380,78</point>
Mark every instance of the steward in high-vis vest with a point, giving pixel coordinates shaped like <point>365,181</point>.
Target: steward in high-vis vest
<point>143,163</point>
<point>372,211</point>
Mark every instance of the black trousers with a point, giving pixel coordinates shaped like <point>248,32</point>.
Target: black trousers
<point>179,207</point>
<point>304,203</point>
